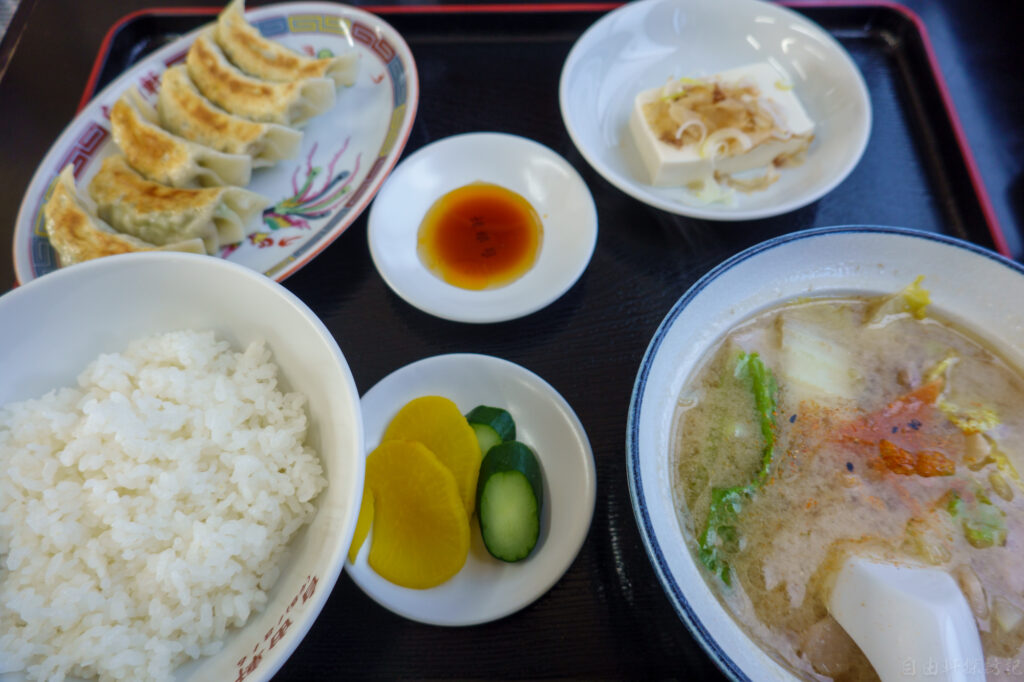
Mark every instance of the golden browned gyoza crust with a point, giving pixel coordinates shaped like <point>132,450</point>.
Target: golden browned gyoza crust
<point>167,158</point>
<point>73,234</point>
<point>254,54</point>
<point>78,236</point>
<point>117,182</point>
<point>232,90</point>
<point>204,121</point>
<point>184,111</point>
<point>290,103</point>
<point>153,153</point>
<point>164,215</point>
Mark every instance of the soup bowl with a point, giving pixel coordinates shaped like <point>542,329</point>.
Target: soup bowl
<point>54,326</point>
<point>970,286</point>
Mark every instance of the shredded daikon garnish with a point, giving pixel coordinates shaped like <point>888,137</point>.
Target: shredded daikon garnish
<point>719,143</point>
<point>749,185</point>
<point>717,105</point>
<point>676,87</point>
<point>709,191</point>
<point>693,122</point>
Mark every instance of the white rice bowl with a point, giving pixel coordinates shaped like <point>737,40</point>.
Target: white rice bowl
<point>181,488</point>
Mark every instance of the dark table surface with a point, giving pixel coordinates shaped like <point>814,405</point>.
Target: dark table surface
<point>607,617</point>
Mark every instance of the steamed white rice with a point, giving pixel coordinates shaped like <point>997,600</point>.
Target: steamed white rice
<point>142,513</point>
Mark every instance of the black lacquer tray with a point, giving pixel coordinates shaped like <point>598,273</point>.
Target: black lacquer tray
<point>496,68</point>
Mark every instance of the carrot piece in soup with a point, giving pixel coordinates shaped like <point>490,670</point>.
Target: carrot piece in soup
<point>932,463</point>
<point>896,459</point>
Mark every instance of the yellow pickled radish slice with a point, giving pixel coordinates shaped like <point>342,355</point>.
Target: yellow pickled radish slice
<point>436,422</point>
<point>420,528</point>
<point>363,524</point>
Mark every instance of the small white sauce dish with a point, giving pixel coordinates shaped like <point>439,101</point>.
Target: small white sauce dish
<point>546,180</point>
<point>642,44</point>
<point>487,589</point>
<point>967,284</point>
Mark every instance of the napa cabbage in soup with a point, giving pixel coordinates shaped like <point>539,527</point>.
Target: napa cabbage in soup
<point>853,425</point>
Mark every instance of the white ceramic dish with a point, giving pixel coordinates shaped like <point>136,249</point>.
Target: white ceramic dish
<point>346,152</point>
<point>641,44</point>
<point>487,589</point>
<point>542,177</point>
<point>967,283</point>
<point>50,329</point>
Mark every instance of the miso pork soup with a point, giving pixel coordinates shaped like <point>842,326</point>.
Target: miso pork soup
<point>834,426</point>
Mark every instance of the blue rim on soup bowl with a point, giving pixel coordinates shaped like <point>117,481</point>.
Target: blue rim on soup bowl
<point>969,285</point>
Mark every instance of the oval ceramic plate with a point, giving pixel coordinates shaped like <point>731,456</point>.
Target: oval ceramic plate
<point>541,176</point>
<point>963,280</point>
<point>642,44</point>
<point>487,589</point>
<point>346,152</point>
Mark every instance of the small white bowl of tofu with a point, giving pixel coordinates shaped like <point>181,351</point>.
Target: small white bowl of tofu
<point>715,109</point>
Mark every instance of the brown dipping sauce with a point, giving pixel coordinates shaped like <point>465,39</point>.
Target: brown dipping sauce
<point>480,236</point>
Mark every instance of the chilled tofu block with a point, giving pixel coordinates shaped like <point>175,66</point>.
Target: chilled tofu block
<point>739,120</point>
